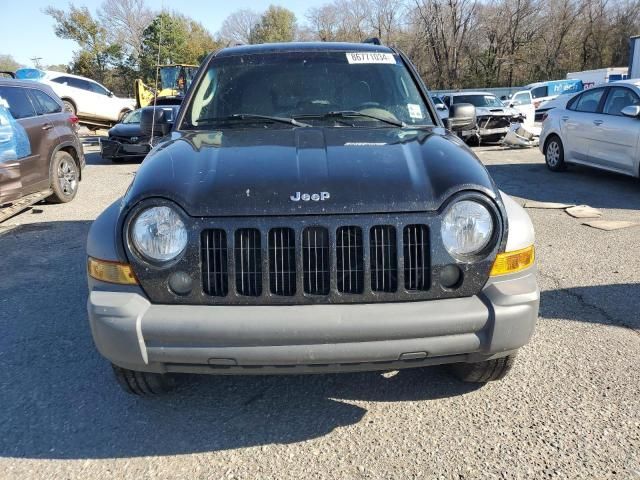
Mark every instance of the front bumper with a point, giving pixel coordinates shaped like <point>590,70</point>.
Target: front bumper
<point>133,333</point>
<point>115,149</point>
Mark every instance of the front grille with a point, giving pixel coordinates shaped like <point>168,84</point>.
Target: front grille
<point>248,258</point>
<point>494,121</point>
<point>307,263</point>
<point>349,260</point>
<point>315,260</point>
<point>416,257</point>
<point>213,248</point>
<point>282,261</point>
<point>384,258</point>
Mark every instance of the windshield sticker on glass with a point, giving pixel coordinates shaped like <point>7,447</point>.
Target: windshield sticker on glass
<point>14,142</point>
<point>370,57</point>
<point>414,110</point>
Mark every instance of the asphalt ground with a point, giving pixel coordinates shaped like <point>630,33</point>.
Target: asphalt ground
<point>570,408</point>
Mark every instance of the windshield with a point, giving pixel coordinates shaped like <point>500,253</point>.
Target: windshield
<point>132,117</point>
<point>177,77</point>
<point>490,101</point>
<point>308,86</point>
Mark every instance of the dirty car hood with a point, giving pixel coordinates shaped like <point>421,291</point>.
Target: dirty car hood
<point>255,172</point>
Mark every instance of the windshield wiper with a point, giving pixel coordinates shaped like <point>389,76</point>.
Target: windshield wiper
<point>252,117</point>
<point>354,113</point>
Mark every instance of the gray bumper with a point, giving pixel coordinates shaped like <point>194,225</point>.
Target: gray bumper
<point>133,333</point>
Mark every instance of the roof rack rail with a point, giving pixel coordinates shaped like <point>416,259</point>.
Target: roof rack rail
<point>373,41</point>
<point>10,74</point>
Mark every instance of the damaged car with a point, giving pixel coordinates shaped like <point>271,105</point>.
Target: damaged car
<point>492,117</point>
<point>127,140</point>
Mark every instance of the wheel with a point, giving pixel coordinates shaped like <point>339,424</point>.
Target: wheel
<point>554,154</point>
<point>142,383</point>
<point>69,107</point>
<point>482,372</point>
<point>64,178</point>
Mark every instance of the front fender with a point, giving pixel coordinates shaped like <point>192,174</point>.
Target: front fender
<point>521,233</point>
<point>103,241</point>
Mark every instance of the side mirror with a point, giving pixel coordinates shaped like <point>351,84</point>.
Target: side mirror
<point>110,94</point>
<point>632,111</point>
<point>441,106</point>
<point>156,121</point>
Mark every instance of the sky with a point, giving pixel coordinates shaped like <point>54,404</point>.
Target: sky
<point>26,32</point>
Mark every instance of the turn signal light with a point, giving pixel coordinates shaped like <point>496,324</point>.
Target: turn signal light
<point>111,272</point>
<point>512,262</point>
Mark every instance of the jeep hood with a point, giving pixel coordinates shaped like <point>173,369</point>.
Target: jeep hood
<point>255,172</point>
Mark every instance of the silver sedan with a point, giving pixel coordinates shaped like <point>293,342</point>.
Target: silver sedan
<point>599,127</point>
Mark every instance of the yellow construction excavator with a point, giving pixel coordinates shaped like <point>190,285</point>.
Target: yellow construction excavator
<point>174,82</point>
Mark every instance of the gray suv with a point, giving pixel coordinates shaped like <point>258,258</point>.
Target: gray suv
<point>40,153</point>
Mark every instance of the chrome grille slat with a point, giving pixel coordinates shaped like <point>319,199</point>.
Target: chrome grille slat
<point>416,257</point>
<point>282,261</point>
<point>315,251</point>
<point>350,260</point>
<point>214,262</point>
<point>248,260</point>
<point>384,259</point>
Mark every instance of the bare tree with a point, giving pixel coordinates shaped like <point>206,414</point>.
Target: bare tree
<point>125,20</point>
<point>446,25</point>
<point>238,26</point>
<point>385,18</point>
<point>323,22</point>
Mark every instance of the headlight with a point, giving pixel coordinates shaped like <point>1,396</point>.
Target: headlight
<point>467,228</point>
<point>159,234</point>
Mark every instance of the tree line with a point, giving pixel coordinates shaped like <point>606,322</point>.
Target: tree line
<point>454,43</point>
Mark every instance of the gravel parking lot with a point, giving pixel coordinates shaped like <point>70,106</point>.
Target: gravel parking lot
<point>570,409</point>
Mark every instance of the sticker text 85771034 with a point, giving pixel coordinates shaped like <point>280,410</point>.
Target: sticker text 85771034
<point>370,57</point>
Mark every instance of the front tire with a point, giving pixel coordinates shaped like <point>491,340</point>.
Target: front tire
<point>554,154</point>
<point>65,177</point>
<point>142,383</point>
<point>482,372</point>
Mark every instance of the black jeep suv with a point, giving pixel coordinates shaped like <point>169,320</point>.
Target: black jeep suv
<point>309,213</point>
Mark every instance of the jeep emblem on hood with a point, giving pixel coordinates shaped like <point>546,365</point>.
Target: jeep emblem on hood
<point>305,197</point>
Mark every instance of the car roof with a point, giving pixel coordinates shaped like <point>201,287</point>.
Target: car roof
<point>53,74</point>
<point>458,94</point>
<point>302,47</point>
<point>10,82</point>
<point>631,81</point>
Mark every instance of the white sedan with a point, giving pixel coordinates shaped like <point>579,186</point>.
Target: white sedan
<point>599,127</point>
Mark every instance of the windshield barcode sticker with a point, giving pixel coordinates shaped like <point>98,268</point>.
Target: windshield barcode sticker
<point>370,57</point>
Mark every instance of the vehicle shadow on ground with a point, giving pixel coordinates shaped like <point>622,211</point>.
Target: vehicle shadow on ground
<point>58,399</point>
<point>578,185</point>
<point>93,157</point>
<point>613,304</point>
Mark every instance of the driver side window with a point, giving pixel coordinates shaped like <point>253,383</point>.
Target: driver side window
<point>619,98</point>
